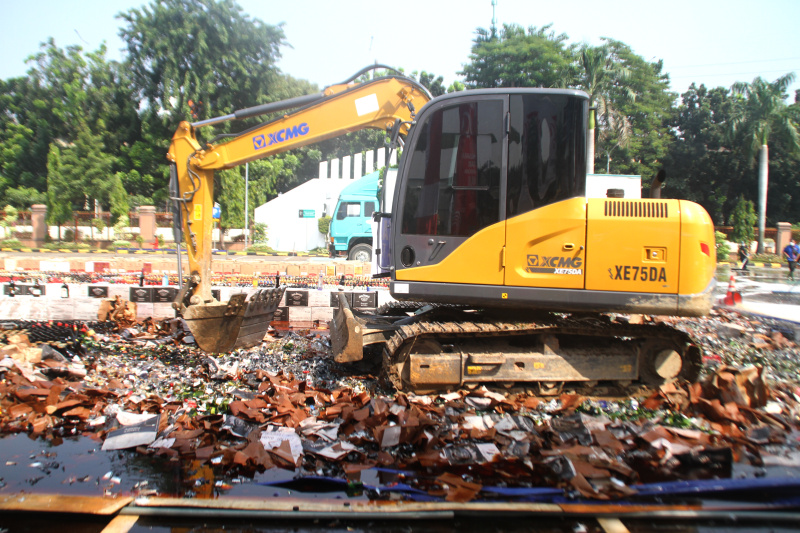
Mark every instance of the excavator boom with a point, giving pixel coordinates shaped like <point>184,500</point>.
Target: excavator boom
<point>381,103</point>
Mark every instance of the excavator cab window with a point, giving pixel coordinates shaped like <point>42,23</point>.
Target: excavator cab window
<point>455,171</point>
<point>546,150</point>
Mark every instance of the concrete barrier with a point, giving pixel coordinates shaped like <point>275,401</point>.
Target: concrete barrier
<point>297,306</point>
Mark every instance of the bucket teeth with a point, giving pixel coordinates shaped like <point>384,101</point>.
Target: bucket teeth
<point>239,323</point>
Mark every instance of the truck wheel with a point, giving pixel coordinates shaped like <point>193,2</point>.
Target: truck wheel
<point>361,252</point>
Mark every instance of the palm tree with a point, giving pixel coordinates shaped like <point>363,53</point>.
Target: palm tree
<point>616,131</point>
<point>599,74</point>
<point>762,111</point>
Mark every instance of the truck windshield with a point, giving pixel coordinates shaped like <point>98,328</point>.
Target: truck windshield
<point>348,209</point>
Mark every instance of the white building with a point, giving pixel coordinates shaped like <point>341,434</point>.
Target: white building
<point>597,185</point>
<point>292,218</point>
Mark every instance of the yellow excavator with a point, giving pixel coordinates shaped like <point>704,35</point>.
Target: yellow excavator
<point>502,270</point>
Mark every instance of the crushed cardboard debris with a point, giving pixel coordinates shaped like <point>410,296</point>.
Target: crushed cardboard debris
<point>286,404</point>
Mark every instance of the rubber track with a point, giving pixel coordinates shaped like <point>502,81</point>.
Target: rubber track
<point>558,325</point>
<point>397,305</point>
<point>411,307</point>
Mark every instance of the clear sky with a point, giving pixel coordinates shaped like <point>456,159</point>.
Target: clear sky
<point>703,41</point>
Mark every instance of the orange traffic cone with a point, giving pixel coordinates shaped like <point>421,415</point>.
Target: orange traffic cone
<point>734,296</point>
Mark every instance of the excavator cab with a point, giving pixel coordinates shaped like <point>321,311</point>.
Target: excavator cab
<point>494,239</point>
<point>491,210</point>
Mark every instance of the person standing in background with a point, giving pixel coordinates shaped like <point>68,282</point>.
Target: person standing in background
<point>744,255</point>
<point>790,253</point>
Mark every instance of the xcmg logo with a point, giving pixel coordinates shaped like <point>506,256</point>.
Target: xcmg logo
<point>260,141</point>
<point>555,264</point>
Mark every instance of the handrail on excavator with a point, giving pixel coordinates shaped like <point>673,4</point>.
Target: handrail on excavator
<point>289,103</point>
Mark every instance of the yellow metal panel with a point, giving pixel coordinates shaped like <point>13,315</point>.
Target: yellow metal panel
<point>633,245</point>
<point>698,251</point>
<point>545,247</point>
<point>477,260</point>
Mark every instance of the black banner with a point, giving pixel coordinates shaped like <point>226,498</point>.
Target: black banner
<point>281,314</point>
<point>164,294</point>
<point>20,290</point>
<point>141,295</point>
<point>335,298</point>
<point>96,291</point>
<point>297,298</point>
<point>364,300</point>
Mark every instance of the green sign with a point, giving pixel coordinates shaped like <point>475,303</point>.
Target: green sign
<point>307,213</point>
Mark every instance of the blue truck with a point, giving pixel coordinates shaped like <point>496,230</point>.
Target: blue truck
<point>350,232</point>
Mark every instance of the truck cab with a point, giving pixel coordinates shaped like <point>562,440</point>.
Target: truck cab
<point>350,232</point>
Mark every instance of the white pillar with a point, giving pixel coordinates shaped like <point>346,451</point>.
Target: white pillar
<point>357,166</point>
<point>334,169</point>
<point>370,162</point>
<point>323,170</point>
<point>380,158</point>
<point>346,174</point>
<point>393,158</point>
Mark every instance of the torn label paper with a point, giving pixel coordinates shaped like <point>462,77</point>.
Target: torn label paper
<point>140,434</point>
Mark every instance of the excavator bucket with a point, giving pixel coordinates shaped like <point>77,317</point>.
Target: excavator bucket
<point>239,323</point>
<point>347,333</point>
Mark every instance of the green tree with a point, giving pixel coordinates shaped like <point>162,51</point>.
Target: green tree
<point>721,243</point>
<point>118,200</point>
<point>649,114</point>
<point>743,218</point>
<point>260,234</point>
<point>99,225</point>
<point>456,86</point>
<point>24,197</point>
<point>230,197</point>
<point>762,111</point>
<point>64,90</point>
<point>59,192</point>
<point>17,146</point>
<point>206,51</point>
<point>599,74</point>
<point>87,170</point>
<point>701,165</point>
<point>432,82</point>
<point>324,224</point>
<point>25,133</point>
<point>9,220</point>
<point>516,57</point>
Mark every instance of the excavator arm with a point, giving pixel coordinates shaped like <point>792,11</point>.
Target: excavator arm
<point>381,103</point>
